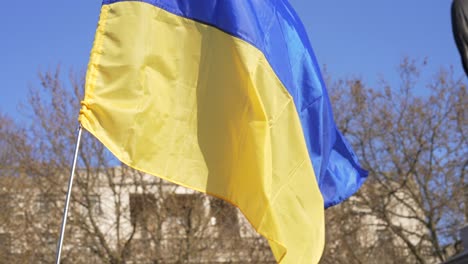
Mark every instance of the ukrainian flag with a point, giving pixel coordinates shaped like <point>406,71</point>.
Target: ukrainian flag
<point>224,97</point>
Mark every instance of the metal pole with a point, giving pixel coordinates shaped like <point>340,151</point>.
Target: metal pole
<point>67,201</point>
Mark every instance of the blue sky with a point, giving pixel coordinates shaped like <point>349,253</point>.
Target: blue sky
<point>364,38</point>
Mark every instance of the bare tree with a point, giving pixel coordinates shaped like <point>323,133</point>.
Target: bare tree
<point>415,149</point>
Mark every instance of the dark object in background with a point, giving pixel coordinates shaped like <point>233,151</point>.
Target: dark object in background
<point>460,29</point>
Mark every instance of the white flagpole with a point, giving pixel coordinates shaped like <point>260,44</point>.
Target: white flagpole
<point>67,201</point>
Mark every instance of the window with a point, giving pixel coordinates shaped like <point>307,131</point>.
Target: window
<point>95,204</point>
<point>6,203</point>
<point>142,206</point>
<point>46,203</point>
<point>184,215</point>
<point>49,241</point>
<point>5,245</point>
<point>183,205</point>
<point>225,215</point>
